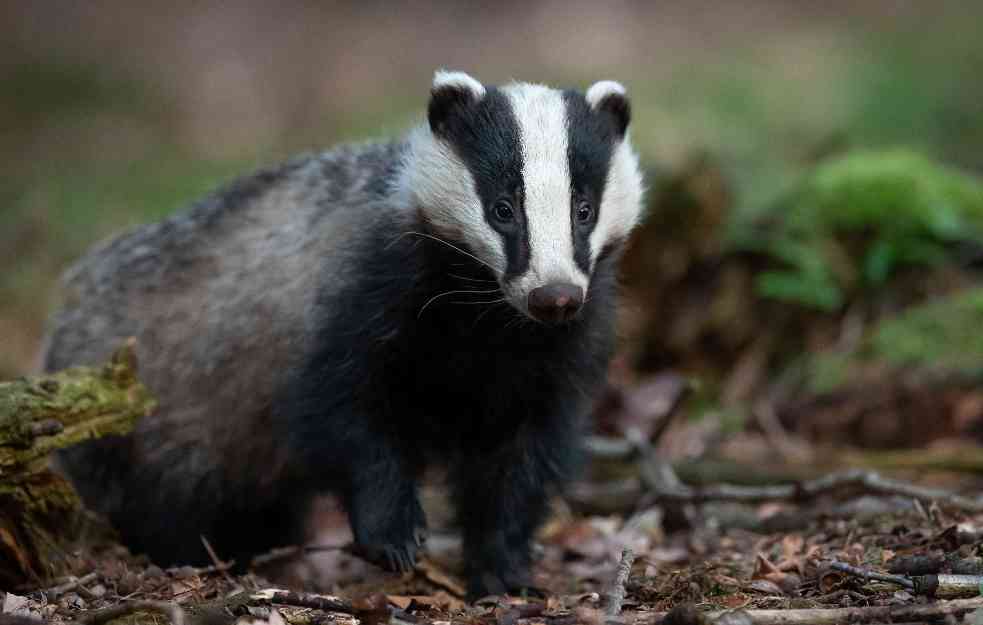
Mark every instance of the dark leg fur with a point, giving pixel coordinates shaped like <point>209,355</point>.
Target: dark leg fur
<point>503,497</point>
<point>385,513</point>
<point>163,513</point>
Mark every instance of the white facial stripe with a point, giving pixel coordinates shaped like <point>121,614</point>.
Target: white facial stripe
<point>542,118</point>
<point>621,204</point>
<point>436,179</point>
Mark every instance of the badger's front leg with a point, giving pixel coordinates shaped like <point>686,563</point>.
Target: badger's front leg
<point>383,507</point>
<point>502,498</point>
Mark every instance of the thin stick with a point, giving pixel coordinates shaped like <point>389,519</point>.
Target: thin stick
<point>72,584</point>
<point>868,480</point>
<point>616,596</point>
<point>170,610</point>
<point>867,574</point>
<point>918,613</point>
<point>304,600</point>
<point>222,567</point>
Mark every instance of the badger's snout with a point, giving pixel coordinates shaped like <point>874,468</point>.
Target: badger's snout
<point>556,302</point>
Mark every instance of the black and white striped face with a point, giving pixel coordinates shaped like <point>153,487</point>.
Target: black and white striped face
<point>536,182</point>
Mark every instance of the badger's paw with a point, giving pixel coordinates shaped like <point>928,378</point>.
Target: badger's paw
<point>396,558</point>
<point>394,544</point>
<point>515,583</point>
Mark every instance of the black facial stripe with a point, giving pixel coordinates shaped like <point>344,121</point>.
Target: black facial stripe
<point>486,136</point>
<point>591,139</point>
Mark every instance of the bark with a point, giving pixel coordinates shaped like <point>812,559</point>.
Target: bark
<point>39,510</point>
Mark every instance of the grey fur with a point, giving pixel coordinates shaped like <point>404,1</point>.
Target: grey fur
<point>221,300</point>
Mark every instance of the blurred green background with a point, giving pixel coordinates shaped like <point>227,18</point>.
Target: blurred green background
<point>813,165</point>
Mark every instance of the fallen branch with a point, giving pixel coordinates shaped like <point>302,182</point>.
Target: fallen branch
<point>941,586</point>
<point>73,583</point>
<point>821,616</point>
<point>303,600</point>
<point>219,565</point>
<point>867,480</point>
<point>867,575</point>
<point>96,617</point>
<point>616,596</point>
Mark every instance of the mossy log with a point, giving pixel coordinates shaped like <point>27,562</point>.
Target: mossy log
<point>39,510</point>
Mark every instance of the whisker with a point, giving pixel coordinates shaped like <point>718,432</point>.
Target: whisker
<point>460,277</point>
<point>439,295</point>
<point>450,245</point>
<point>494,301</point>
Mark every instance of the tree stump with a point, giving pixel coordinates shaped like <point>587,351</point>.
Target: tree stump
<point>39,510</point>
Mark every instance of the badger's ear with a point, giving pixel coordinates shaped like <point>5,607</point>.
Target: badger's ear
<point>611,98</point>
<point>451,92</point>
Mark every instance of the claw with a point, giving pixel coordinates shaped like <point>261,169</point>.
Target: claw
<point>391,559</point>
<point>420,536</point>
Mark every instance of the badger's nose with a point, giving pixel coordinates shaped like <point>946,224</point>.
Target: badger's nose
<point>555,303</point>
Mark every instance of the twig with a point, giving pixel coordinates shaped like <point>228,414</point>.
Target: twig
<point>17,619</point>
<point>72,584</point>
<point>867,574</point>
<point>839,594</point>
<point>810,489</point>
<point>97,617</point>
<point>347,548</point>
<point>941,586</point>
<point>775,433</point>
<point>616,596</point>
<point>187,571</point>
<point>304,600</point>
<point>220,566</point>
<point>836,616</point>
<point>279,553</point>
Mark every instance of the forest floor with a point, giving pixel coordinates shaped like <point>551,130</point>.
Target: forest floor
<point>841,547</point>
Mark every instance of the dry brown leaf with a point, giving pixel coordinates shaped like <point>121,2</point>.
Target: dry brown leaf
<point>734,601</point>
<point>438,576</point>
<point>764,586</point>
<point>830,580</point>
<point>792,545</point>
<point>763,568</point>
<point>400,601</point>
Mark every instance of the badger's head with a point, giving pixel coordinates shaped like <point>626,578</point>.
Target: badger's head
<point>535,182</point>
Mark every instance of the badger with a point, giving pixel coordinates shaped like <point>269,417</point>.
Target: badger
<point>341,322</point>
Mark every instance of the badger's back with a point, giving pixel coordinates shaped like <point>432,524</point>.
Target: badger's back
<point>221,301</point>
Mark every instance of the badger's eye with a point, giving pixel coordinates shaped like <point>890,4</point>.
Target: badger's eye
<point>585,212</point>
<point>504,211</point>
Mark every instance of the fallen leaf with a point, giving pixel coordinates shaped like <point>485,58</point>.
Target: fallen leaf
<point>765,586</point>
<point>792,545</point>
<point>15,604</point>
<point>438,576</point>
<point>830,580</point>
<point>763,568</point>
<point>400,601</point>
<point>735,600</point>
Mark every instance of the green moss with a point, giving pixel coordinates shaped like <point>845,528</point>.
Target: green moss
<point>87,403</point>
<point>942,336</point>
<point>858,218</point>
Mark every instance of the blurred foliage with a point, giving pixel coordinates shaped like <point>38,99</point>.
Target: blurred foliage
<point>941,337</point>
<point>796,128</point>
<point>858,218</point>
<point>942,334</point>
